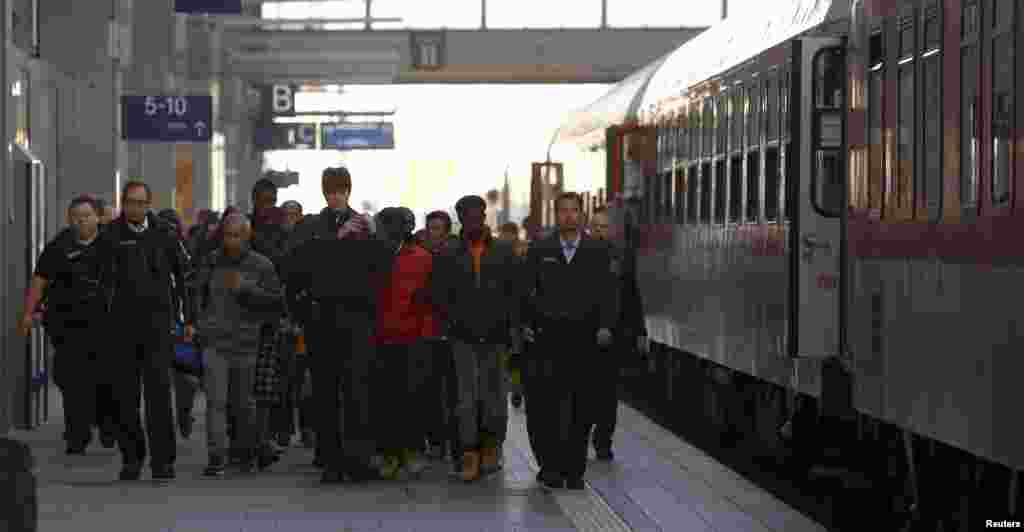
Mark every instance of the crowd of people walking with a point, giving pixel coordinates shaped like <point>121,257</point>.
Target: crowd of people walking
<point>382,347</point>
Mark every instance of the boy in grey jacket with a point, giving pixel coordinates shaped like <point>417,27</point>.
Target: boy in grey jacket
<point>238,293</point>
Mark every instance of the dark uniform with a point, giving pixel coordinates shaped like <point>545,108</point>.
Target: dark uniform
<point>141,264</point>
<point>330,289</point>
<point>608,365</point>
<point>567,303</point>
<point>76,308</point>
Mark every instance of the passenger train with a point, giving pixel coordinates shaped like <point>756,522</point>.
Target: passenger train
<point>822,197</point>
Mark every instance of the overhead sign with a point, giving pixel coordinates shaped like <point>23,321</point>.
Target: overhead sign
<point>166,118</point>
<point>365,136</point>
<point>286,137</point>
<point>279,100</point>
<point>210,7</point>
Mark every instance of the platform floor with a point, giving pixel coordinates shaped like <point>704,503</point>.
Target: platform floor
<point>657,483</point>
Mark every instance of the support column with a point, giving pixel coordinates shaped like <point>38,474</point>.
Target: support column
<point>604,14</point>
<point>483,14</point>
<point>88,88</point>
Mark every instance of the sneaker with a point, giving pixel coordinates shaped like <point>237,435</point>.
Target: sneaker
<point>389,469</point>
<point>215,468</point>
<point>414,462</point>
<point>470,466</point>
<point>490,462</point>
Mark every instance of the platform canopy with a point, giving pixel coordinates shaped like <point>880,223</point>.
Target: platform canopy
<point>618,105</point>
<point>729,44</point>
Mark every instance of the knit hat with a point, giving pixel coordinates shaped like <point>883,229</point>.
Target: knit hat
<point>469,202</point>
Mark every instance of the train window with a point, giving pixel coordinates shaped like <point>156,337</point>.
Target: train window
<point>720,193</point>
<point>876,150</point>
<point>694,130</point>
<point>771,184</point>
<point>771,108</point>
<point>668,196</point>
<point>906,123</point>
<point>647,212</point>
<point>737,118</point>
<point>907,37</point>
<point>930,179</point>
<point>680,190</point>
<point>753,115</point>
<point>754,186</point>
<point>1002,105</point>
<point>723,124</point>
<point>784,104</point>
<point>735,189</point>
<point>709,124</point>
<point>828,172</point>
<point>969,19</point>
<point>787,201</point>
<point>968,126</point>
<point>692,194</point>
<point>705,193</point>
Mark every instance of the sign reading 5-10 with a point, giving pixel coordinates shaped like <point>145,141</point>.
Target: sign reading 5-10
<point>170,105</point>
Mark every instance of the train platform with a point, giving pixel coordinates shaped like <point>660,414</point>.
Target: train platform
<point>657,483</point>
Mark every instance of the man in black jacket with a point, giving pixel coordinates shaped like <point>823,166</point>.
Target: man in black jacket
<point>330,274</point>
<point>571,309</point>
<point>630,334</point>
<point>141,261</point>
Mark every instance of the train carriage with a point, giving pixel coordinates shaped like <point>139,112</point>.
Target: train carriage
<point>823,199</point>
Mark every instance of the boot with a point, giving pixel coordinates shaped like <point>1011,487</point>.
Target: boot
<point>470,466</point>
<point>489,460</point>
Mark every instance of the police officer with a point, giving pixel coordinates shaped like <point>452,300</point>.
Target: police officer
<point>571,310</point>
<point>142,260</point>
<point>630,334</point>
<point>69,272</point>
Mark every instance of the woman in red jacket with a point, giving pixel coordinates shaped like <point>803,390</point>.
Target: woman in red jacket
<point>405,319</point>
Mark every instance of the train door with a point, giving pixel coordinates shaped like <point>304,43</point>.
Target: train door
<point>26,357</point>
<point>818,121</point>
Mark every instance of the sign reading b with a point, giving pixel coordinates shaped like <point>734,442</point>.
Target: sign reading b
<point>282,99</point>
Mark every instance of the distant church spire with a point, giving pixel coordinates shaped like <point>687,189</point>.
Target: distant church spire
<point>506,201</point>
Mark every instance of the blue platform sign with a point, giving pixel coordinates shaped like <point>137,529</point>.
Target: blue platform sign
<point>366,136</point>
<point>210,7</point>
<point>166,118</point>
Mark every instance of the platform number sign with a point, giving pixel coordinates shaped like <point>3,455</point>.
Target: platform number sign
<point>166,118</point>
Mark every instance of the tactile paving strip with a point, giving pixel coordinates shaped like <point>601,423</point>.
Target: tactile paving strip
<point>586,509</point>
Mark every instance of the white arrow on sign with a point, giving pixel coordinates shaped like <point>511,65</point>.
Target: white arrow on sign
<point>200,127</point>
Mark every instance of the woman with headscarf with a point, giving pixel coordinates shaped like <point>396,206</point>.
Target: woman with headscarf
<point>404,322</point>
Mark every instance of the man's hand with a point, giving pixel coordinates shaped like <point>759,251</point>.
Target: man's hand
<point>604,337</point>
<point>528,335</point>
<point>25,325</point>
<point>190,333</point>
<point>643,345</point>
<point>232,279</point>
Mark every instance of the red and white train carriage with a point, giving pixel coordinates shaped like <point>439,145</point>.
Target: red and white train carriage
<point>830,214</point>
